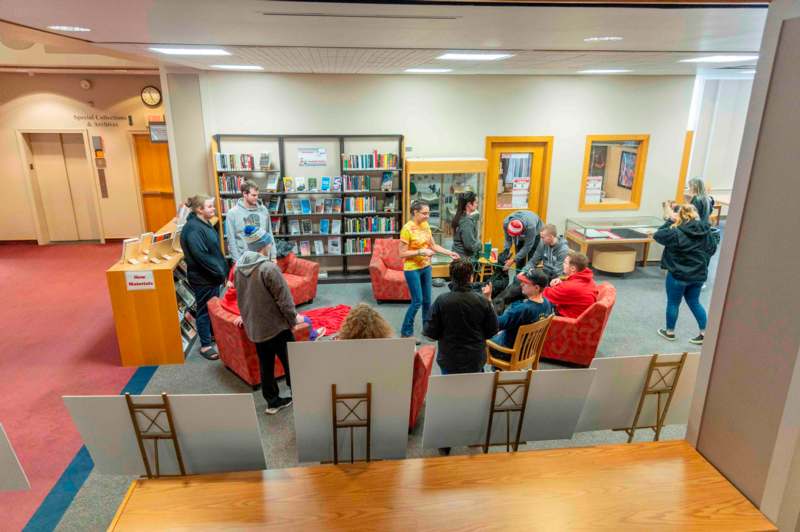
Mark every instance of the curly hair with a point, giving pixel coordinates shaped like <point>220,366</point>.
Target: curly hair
<point>363,322</point>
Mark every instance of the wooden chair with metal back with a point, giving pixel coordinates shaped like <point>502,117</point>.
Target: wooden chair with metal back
<point>527,347</point>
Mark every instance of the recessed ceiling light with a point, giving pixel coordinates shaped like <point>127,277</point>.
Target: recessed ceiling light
<point>602,39</point>
<point>68,28</point>
<point>428,70</point>
<point>605,71</point>
<point>190,51</point>
<point>747,72</point>
<point>720,59</point>
<point>473,56</point>
<point>238,67</point>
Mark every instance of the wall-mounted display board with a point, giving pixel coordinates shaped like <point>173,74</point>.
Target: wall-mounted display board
<point>613,172</point>
<point>439,182</point>
<point>330,196</point>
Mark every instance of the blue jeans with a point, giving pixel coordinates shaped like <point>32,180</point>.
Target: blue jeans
<point>677,290</point>
<point>202,294</point>
<point>419,284</point>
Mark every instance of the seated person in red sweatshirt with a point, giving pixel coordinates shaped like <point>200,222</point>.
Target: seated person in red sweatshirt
<point>574,292</point>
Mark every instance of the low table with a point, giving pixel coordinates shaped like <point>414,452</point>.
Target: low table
<point>644,486</point>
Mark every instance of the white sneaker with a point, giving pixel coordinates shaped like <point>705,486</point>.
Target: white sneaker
<point>280,404</point>
<point>320,332</point>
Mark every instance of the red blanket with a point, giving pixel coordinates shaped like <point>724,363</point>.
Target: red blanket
<point>329,317</point>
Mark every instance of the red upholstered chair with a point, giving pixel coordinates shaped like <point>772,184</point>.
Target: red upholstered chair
<point>423,365</point>
<point>301,275</point>
<point>236,351</point>
<point>386,271</point>
<point>575,340</point>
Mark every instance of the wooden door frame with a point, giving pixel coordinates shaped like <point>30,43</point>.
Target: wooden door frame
<point>136,177</point>
<point>42,233</point>
<point>547,141</point>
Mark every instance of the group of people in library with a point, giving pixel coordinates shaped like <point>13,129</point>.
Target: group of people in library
<point>536,275</point>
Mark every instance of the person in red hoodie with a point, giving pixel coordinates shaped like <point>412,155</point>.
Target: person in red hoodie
<point>575,291</point>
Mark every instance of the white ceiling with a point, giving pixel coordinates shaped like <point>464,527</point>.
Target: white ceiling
<point>358,38</point>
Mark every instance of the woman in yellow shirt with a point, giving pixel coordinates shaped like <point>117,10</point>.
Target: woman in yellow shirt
<point>416,248</point>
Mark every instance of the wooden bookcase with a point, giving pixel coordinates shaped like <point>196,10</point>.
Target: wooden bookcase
<point>286,159</point>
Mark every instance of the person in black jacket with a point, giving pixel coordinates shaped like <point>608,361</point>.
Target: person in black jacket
<point>461,320</point>
<point>701,201</point>
<point>206,267</point>
<point>688,244</point>
<point>465,226</point>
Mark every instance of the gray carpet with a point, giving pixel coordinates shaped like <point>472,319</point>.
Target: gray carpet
<point>631,330</point>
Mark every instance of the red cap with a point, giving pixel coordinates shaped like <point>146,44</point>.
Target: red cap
<point>515,228</point>
<point>524,278</point>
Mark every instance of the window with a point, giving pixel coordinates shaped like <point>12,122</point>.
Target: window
<point>613,172</point>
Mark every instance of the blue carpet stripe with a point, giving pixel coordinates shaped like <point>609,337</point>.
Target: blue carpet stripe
<point>55,505</point>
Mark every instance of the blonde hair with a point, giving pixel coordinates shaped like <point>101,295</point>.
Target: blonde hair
<point>364,322</point>
<point>196,202</point>
<point>686,213</point>
<point>697,187</point>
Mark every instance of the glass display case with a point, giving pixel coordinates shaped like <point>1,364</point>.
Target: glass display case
<point>635,227</point>
<point>439,181</point>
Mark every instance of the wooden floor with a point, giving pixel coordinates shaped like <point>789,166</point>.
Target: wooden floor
<point>648,486</point>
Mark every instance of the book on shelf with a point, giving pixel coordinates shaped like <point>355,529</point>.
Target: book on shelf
<point>327,205</point>
<point>276,225</point>
<point>306,226</point>
<point>337,204</point>
<point>288,184</point>
<point>335,245</point>
<point>361,204</point>
<point>264,161</point>
<point>319,248</point>
<point>358,245</point>
<point>295,250</point>
<point>371,224</point>
<point>305,248</point>
<point>387,182</point>
<point>389,204</point>
<point>272,183</point>
<point>294,227</point>
<point>274,204</point>
<point>325,226</point>
<point>356,183</point>
<point>305,206</point>
<point>325,184</point>
<point>319,206</point>
<point>336,226</point>
<point>230,183</point>
<point>370,160</point>
<point>300,184</point>
<point>227,162</point>
<point>337,183</point>
<point>313,184</point>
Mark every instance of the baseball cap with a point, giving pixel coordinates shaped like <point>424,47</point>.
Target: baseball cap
<point>515,228</point>
<point>534,277</point>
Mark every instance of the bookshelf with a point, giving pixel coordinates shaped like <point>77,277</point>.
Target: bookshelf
<point>327,189</point>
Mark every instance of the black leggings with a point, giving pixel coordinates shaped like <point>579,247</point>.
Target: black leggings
<point>267,351</point>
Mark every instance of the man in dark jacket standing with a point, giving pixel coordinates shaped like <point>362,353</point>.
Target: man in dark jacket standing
<point>268,312</point>
<point>461,320</point>
<point>689,244</point>
<point>206,267</point>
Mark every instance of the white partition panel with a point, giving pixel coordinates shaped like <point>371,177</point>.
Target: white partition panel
<point>457,407</point>
<point>12,477</point>
<point>350,364</point>
<point>216,433</point>
<point>618,385</point>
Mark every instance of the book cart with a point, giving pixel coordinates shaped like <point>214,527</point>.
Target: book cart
<point>330,196</point>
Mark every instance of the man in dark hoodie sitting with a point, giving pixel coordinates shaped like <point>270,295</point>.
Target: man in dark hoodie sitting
<point>268,312</point>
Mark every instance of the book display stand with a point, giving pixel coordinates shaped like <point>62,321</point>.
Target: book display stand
<point>330,196</point>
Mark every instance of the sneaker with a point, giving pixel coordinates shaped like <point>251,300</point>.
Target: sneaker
<point>280,404</point>
<point>320,332</point>
<point>697,339</point>
<point>668,335</point>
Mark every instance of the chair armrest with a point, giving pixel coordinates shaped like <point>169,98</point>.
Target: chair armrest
<point>500,348</point>
<point>377,265</point>
<point>307,269</point>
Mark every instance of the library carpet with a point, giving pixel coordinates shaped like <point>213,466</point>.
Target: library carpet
<point>58,339</point>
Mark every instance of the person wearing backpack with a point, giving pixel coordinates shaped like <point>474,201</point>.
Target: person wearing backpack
<point>689,243</point>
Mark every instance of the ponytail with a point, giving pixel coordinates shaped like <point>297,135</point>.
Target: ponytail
<point>461,210</point>
<point>196,202</point>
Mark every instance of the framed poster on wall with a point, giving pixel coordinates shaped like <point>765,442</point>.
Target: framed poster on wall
<point>627,169</point>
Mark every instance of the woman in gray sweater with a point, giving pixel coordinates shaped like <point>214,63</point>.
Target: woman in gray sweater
<point>465,226</point>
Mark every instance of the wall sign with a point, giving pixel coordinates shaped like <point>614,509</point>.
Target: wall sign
<point>140,281</point>
<point>312,156</point>
<point>100,120</point>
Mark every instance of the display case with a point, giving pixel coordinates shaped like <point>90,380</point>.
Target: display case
<point>584,233</point>
<point>439,181</point>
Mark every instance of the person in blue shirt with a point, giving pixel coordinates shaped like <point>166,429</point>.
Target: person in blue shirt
<point>529,310</point>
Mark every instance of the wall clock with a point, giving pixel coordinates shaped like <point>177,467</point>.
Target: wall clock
<point>151,96</point>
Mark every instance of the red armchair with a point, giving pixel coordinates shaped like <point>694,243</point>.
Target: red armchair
<point>575,340</point>
<point>236,351</point>
<point>386,271</point>
<point>423,365</point>
<point>301,275</point>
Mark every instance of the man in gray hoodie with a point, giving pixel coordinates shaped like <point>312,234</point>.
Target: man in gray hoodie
<point>551,252</point>
<point>268,312</point>
<point>248,211</point>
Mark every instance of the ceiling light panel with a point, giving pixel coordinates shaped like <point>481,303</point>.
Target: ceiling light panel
<point>610,38</point>
<point>189,51</point>
<point>605,71</point>
<point>474,56</point>
<point>720,59</point>
<point>238,67</point>
<point>71,29</point>
<point>428,70</point>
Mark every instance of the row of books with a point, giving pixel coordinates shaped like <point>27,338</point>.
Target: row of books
<point>227,204</point>
<point>358,245</point>
<point>362,183</point>
<point>305,226</point>
<point>369,160</point>
<point>304,247</point>
<point>242,161</point>
<point>371,224</point>
<point>307,205</point>
<point>231,183</point>
<point>312,184</point>
<point>369,204</point>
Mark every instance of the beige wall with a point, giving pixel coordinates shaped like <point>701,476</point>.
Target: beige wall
<point>450,116</point>
<point>191,154</point>
<point>51,102</point>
